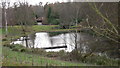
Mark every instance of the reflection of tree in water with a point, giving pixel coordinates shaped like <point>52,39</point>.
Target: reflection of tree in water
<point>32,38</point>
<point>51,40</point>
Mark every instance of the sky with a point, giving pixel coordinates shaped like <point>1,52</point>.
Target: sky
<point>36,2</point>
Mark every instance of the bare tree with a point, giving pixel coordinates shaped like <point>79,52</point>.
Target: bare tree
<point>98,18</point>
<point>109,27</point>
<point>24,18</point>
<point>4,19</point>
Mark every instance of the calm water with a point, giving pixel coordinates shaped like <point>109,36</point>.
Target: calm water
<point>43,39</point>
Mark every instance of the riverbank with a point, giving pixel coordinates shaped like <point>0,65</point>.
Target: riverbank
<point>15,32</point>
<point>14,53</point>
<point>13,58</point>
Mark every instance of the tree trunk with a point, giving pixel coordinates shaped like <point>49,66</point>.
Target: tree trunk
<point>26,41</point>
<point>76,36</point>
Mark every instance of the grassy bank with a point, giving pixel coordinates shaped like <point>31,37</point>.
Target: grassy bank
<point>18,52</point>
<point>15,32</point>
<point>12,58</point>
<point>34,28</point>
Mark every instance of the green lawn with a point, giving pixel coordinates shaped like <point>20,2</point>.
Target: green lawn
<point>48,28</point>
<point>12,58</point>
<point>16,31</point>
<point>43,27</point>
<point>35,28</point>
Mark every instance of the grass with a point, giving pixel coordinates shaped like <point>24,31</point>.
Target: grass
<point>12,58</point>
<point>43,27</point>
<point>49,28</point>
<point>16,32</point>
<point>35,28</point>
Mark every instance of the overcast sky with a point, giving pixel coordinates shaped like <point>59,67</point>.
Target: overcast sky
<point>34,2</point>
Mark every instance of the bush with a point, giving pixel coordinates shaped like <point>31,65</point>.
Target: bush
<point>75,55</point>
<point>55,21</point>
<point>15,49</point>
<point>23,50</point>
<point>101,60</point>
<point>4,39</point>
<point>39,51</point>
<point>66,57</point>
<point>52,54</point>
<point>6,43</point>
<point>61,52</point>
<point>11,46</point>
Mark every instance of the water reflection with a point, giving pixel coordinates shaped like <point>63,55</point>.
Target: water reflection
<point>43,39</point>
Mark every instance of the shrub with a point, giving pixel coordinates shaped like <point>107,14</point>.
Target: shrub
<point>15,49</point>
<point>61,52</point>
<point>101,60</point>
<point>39,51</point>
<point>75,55</point>
<point>6,43</point>
<point>11,46</point>
<point>23,50</point>
<point>4,39</point>
<point>52,54</point>
<point>66,57</point>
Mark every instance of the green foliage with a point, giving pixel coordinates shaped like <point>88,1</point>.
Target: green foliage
<point>52,17</point>
<point>16,47</point>
<point>55,21</point>
<point>49,12</point>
